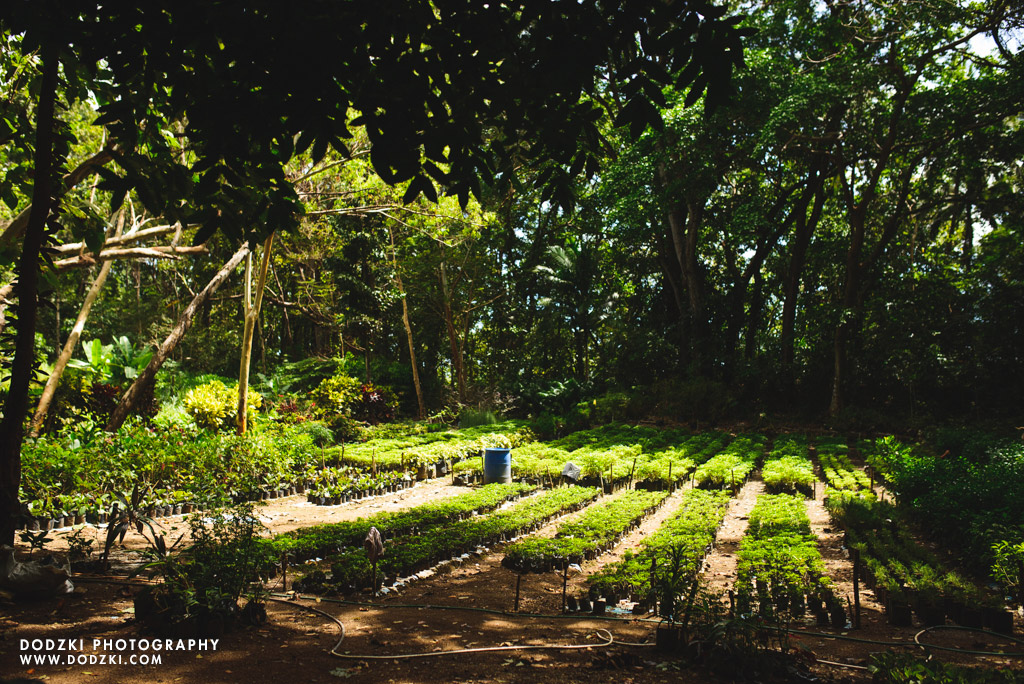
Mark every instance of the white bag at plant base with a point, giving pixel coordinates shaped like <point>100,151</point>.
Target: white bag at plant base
<point>571,471</point>
<point>32,579</point>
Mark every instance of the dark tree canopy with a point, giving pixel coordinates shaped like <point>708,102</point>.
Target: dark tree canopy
<point>451,94</point>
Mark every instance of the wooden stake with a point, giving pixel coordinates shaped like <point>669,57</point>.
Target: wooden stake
<point>565,584</point>
<point>519,579</point>
<point>856,588</point>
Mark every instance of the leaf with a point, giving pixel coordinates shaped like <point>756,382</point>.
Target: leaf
<point>342,672</point>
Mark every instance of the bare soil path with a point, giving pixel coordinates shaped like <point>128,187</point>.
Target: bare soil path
<point>720,565</point>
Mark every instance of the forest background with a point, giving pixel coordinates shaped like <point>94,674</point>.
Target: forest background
<point>840,239</point>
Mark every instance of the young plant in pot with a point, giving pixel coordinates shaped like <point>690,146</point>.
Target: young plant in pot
<point>204,584</point>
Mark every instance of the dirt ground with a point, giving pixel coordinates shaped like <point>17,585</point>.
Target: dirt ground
<point>462,605</point>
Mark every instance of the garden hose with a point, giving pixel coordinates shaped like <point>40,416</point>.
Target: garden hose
<point>604,634</point>
<point>1017,654</point>
<point>491,611</point>
<point>799,632</point>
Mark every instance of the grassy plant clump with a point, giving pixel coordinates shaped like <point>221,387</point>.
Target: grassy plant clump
<point>586,537</point>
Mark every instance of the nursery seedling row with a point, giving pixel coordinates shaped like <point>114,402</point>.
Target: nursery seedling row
<point>323,540</point>
<point>779,566</point>
<point>448,447</point>
<point>687,538</point>
<point>73,482</point>
<point>788,467</point>
<point>655,459</point>
<point>731,467</point>
<point>904,575</point>
<point>597,530</point>
<point>837,469</point>
<point>412,553</point>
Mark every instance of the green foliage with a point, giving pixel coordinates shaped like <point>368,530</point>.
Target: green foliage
<point>408,554</point>
<point>322,540</point>
<point>338,394</point>
<point>839,471</point>
<point>584,538</point>
<point>732,466</point>
<point>788,467</point>
<point>470,417</point>
<point>778,559</point>
<point>893,559</point>
<point>681,542</point>
<point>214,405</point>
<point>904,668</point>
<point>344,428</point>
<point>174,416</point>
<point>941,489</point>
<point>1008,567</point>
<point>226,561</point>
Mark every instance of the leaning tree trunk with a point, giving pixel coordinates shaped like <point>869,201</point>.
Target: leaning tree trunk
<point>16,404</point>
<point>69,346</point>
<point>15,230</point>
<point>252,312</point>
<point>147,376</point>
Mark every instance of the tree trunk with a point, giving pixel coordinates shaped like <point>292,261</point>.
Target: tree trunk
<point>422,412</point>
<point>805,228</point>
<point>16,404</point>
<point>252,312</point>
<point>754,321</point>
<point>72,342</point>
<point>147,376</point>
<point>453,337</point>
<point>14,230</point>
<point>684,221</point>
<point>846,313</point>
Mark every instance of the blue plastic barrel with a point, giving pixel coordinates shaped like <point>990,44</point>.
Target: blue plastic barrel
<point>497,465</point>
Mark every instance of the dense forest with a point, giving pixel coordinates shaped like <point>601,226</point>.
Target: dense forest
<point>840,237</point>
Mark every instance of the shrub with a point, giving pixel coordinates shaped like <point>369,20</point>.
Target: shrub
<point>214,406</point>
<point>377,404</point>
<point>204,584</point>
<point>338,394</point>
<point>174,415</point>
<point>345,429</point>
<point>546,425</point>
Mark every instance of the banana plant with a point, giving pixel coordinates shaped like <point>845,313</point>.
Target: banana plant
<point>98,357</point>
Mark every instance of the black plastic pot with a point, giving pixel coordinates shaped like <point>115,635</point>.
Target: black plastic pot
<point>899,614</point>
<point>669,639</point>
<point>931,614</point>
<point>999,620</point>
